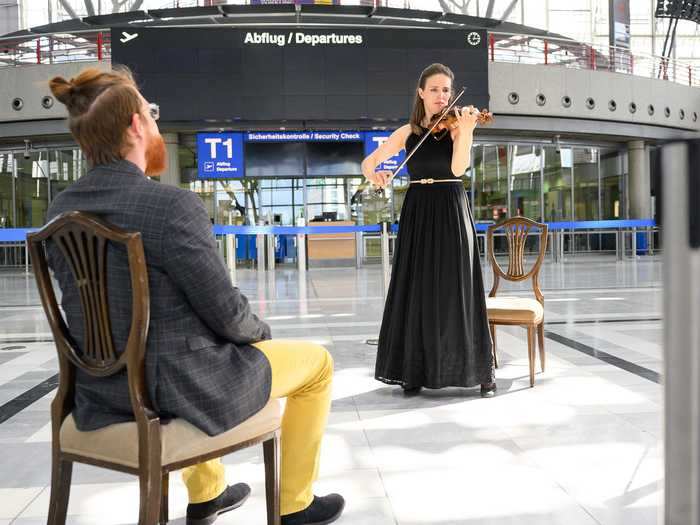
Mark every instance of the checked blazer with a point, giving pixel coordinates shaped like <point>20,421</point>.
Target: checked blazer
<point>199,362</point>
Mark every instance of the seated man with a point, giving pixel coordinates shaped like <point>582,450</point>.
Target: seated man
<point>209,359</point>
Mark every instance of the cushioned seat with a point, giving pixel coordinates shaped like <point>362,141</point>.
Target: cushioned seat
<point>514,309</point>
<point>118,443</point>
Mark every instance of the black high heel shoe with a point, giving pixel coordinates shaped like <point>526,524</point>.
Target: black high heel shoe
<point>411,390</point>
<point>488,389</point>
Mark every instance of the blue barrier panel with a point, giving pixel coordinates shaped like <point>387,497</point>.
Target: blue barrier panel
<point>20,234</point>
<point>642,243</point>
<point>602,225</point>
<point>15,234</point>
<point>220,229</point>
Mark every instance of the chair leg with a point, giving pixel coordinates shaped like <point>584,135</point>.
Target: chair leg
<point>492,327</point>
<point>540,336</point>
<point>531,353</point>
<point>271,453</point>
<point>61,474</point>
<point>150,487</point>
<point>165,486</point>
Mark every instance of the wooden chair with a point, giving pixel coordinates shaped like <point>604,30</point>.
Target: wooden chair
<point>144,447</point>
<point>518,310</point>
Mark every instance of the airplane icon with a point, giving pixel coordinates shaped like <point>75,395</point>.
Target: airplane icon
<point>126,37</point>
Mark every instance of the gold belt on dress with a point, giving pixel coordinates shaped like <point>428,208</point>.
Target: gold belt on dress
<point>433,181</point>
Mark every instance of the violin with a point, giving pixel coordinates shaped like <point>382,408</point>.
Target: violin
<point>448,120</point>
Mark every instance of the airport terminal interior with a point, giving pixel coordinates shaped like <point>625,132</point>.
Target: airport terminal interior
<point>267,110</point>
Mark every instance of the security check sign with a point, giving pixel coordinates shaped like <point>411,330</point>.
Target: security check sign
<point>374,139</point>
<point>220,155</point>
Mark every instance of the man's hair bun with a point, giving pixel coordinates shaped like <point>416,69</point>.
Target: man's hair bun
<point>62,89</point>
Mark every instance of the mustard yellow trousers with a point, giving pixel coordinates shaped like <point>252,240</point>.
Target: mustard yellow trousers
<point>302,372</point>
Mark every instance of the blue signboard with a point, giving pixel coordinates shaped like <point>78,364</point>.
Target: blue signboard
<point>374,139</point>
<point>220,155</point>
<point>303,136</point>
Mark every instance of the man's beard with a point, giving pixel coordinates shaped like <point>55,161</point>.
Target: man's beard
<point>156,155</point>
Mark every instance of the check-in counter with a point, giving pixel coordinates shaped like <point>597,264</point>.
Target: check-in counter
<point>333,249</point>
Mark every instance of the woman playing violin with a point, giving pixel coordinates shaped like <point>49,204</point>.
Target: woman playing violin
<point>434,330</point>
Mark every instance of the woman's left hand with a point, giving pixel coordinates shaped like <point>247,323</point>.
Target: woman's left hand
<point>466,119</point>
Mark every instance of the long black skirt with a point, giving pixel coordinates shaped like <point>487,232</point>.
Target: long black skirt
<point>435,330</point>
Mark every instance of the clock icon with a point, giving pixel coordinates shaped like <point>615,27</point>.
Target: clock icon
<point>473,38</point>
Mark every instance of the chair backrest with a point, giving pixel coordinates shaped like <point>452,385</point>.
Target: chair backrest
<point>83,240</point>
<point>517,230</point>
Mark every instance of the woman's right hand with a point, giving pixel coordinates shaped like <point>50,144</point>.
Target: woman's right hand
<point>380,178</point>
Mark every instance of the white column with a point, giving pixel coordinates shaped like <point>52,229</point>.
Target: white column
<point>639,180</point>
<point>682,340</point>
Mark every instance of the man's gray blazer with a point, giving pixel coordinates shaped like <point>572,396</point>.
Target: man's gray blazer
<point>199,365</point>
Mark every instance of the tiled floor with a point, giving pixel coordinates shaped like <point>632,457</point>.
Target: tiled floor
<point>582,447</point>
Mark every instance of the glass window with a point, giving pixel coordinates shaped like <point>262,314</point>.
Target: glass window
<point>230,202</point>
<point>399,187</point>
<point>206,190</point>
<point>491,184</point>
<point>187,160</point>
<point>525,188</point>
<point>641,44</point>
<point>65,167</point>
<point>330,198</point>
<point>586,199</point>
<point>613,167</point>
<point>282,200</point>
<point>6,204</point>
<point>535,13</point>
<point>32,189</point>
<point>586,184</point>
<point>558,166</point>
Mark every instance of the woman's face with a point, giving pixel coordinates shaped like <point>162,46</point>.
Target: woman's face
<point>436,93</point>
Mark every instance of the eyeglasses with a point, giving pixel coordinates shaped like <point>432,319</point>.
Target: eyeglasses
<point>154,110</point>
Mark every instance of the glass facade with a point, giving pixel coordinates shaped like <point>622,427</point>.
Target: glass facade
<point>504,180</point>
<point>560,184</point>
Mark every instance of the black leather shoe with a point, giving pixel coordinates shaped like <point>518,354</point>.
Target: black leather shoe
<point>323,510</point>
<point>488,389</point>
<point>411,390</point>
<point>206,513</point>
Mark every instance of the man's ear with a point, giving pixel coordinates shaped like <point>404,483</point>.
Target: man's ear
<point>136,126</point>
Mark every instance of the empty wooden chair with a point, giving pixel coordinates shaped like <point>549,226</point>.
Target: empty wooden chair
<point>519,311</point>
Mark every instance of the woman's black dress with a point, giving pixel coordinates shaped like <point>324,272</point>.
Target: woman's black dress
<point>435,331</point>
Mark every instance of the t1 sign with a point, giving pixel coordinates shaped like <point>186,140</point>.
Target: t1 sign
<point>374,139</point>
<point>220,155</point>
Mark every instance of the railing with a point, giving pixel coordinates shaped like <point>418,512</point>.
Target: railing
<point>13,249</point>
<point>532,49</point>
<point>503,47</point>
<point>56,49</point>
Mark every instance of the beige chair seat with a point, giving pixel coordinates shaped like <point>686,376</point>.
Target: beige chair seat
<point>514,310</point>
<point>180,439</point>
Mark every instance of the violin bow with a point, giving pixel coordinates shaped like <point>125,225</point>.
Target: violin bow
<point>415,148</point>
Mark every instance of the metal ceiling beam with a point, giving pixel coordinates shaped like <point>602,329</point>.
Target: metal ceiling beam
<point>69,9</point>
<point>509,9</point>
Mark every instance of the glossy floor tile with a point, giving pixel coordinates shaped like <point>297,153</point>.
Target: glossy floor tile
<point>581,447</point>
